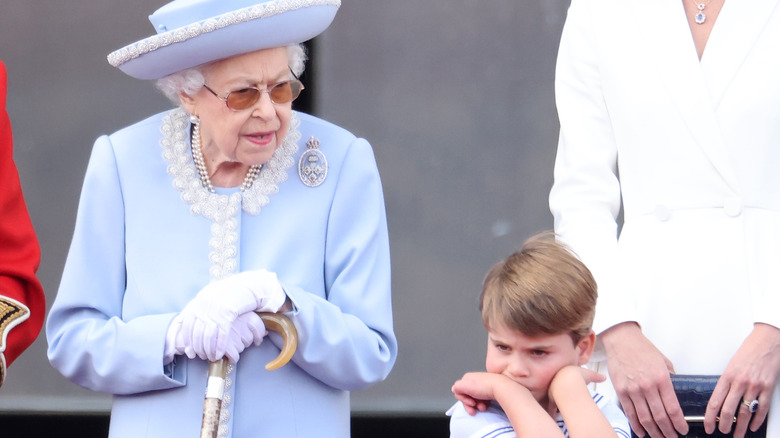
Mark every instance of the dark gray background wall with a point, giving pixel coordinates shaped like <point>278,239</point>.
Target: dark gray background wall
<point>455,96</point>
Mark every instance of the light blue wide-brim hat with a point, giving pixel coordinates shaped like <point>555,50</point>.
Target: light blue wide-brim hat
<point>195,32</point>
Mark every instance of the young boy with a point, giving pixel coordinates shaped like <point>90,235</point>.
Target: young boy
<point>537,306</point>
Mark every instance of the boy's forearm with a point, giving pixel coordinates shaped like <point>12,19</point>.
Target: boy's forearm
<point>582,416</point>
<point>528,418</point>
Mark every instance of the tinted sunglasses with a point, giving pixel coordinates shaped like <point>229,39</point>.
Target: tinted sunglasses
<point>280,92</point>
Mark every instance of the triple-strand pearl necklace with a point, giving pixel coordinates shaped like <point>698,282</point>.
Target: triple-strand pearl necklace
<point>200,164</point>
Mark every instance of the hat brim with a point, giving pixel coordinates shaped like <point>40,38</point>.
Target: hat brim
<point>222,37</point>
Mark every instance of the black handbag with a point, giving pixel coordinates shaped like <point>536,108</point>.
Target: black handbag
<point>693,392</point>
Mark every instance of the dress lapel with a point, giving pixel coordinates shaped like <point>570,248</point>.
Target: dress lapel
<point>666,37</point>
<point>739,25</point>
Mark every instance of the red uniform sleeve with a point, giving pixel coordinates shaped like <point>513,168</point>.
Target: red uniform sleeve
<point>22,302</point>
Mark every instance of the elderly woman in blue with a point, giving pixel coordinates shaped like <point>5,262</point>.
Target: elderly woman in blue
<point>194,219</point>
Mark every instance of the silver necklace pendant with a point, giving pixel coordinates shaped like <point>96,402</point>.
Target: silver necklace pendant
<point>700,17</point>
<point>313,166</point>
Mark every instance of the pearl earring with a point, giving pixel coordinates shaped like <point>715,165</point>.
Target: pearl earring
<point>194,119</point>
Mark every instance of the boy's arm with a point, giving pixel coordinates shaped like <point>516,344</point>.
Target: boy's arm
<point>528,418</point>
<point>569,391</point>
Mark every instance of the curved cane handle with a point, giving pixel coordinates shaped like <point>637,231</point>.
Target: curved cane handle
<point>282,325</point>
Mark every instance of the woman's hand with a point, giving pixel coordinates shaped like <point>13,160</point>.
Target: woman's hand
<point>750,375</point>
<point>640,376</point>
<point>207,321</point>
<point>246,330</point>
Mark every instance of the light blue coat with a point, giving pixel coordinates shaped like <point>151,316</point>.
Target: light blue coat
<point>147,236</point>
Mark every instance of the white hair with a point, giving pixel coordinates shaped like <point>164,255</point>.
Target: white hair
<point>191,80</point>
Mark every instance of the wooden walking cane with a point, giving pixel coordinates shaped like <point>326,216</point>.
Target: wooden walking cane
<point>215,388</point>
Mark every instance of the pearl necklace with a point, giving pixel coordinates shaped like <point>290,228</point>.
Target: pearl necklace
<point>200,164</point>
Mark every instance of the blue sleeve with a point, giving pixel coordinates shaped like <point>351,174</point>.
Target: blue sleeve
<point>350,340</point>
<point>85,328</point>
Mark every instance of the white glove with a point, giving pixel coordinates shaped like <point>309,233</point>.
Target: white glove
<point>247,329</point>
<point>207,320</point>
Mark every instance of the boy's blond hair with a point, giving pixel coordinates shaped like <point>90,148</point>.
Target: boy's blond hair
<point>542,289</point>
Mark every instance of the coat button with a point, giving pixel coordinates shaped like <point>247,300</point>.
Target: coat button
<point>732,207</point>
<point>662,212</point>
